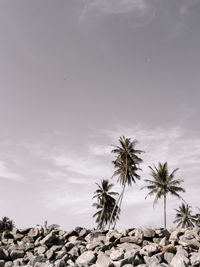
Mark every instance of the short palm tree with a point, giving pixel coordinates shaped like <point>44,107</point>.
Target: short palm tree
<point>184,218</point>
<point>6,224</point>
<point>105,203</point>
<point>126,164</point>
<point>162,184</point>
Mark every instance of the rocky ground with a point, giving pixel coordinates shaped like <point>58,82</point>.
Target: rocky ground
<point>81,247</point>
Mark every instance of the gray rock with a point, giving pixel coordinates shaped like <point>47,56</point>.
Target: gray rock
<point>193,243</point>
<point>3,254</point>
<point>95,237</point>
<point>129,246</point>
<point>40,250</point>
<point>148,233</point>
<point>59,263</point>
<point>93,245</point>
<point>102,260</point>
<point>48,239</point>
<point>34,232</point>
<point>117,255</point>
<point>149,250</point>
<point>8,264</point>
<point>87,257</point>
<point>156,259</point>
<point>179,260</point>
<point>37,259</point>
<point>131,239</point>
<point>195,259</point>
<point>164,241</point>
<point>74,252</point>
<point>168,257</point>
<point>15,254</point>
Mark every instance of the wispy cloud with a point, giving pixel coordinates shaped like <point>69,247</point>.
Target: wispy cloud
<point>5,173</point>
<point>85,165</point>
<point>184,12</point>
<point>138,11</point>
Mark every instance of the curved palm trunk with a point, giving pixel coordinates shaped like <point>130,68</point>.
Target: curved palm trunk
<point>116,203</point>
<point>165,211</point>
<point>120,203</point>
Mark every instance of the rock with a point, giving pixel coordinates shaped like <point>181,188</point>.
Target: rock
<point>129,246</point>
<point>37,259</point>
<point>102,260</point>
<point>169,248</point>
<point>179,260</point>
<point>74,252</point>
<point>84,232</point>
<point>93,245</point>
<point>117,255</point>
<point>59,263</point>
<point>2,263</point>
<point>40,250</point>
<point>156,259</point>
<point>8,264</point>
<point>131,239</point>
<point>164,241</point>
<point>87,257</point>
<point>34,232</point>
<point>48,239</point>
<point>195,259</point>
<point>193,243</point>
<point>95,237</point>
<point>168,256</point>
<point>149,250</point>
<point>148,233</point>
<point>3,254</point>
<point>15,254</point>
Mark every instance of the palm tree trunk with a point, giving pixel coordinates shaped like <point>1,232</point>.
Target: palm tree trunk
<point>165,211</point>
<point>100,225</point>
<point>116,203</point>
<point>120,203</point>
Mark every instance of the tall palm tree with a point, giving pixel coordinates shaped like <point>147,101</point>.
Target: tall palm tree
<point>184,218</point>
<point>162,184</point>
<point>126,164</point>
<point>6,224</point>
<point>105,203</point>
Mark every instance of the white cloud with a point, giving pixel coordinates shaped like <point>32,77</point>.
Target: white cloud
<point>100,7</point>
<point>86,165</point>
<point>5,173</point>
<point>138,12</point>
<point>183,13</point>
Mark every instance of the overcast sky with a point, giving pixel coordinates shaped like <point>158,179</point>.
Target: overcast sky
<point>75,76</point>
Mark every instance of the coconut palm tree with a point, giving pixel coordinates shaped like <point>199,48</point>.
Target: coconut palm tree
<point>105,203</point>
<point>162,184</point>
<point>6,224</point>
<point>184,218</point>
<point>126,165</point>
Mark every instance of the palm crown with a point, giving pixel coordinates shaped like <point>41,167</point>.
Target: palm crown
<point>6,224</point>
<point>105,203</point>
<point>127,161</point>
<point>184,218</point>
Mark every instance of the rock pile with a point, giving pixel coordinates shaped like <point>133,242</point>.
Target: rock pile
<point>81,247</point>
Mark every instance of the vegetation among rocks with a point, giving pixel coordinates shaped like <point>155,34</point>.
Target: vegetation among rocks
<point>112,248</point>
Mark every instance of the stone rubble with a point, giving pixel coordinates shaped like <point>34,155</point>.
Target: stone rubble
<point>114,248</point>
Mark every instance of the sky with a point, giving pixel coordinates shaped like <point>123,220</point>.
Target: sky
<point>75,76</point>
